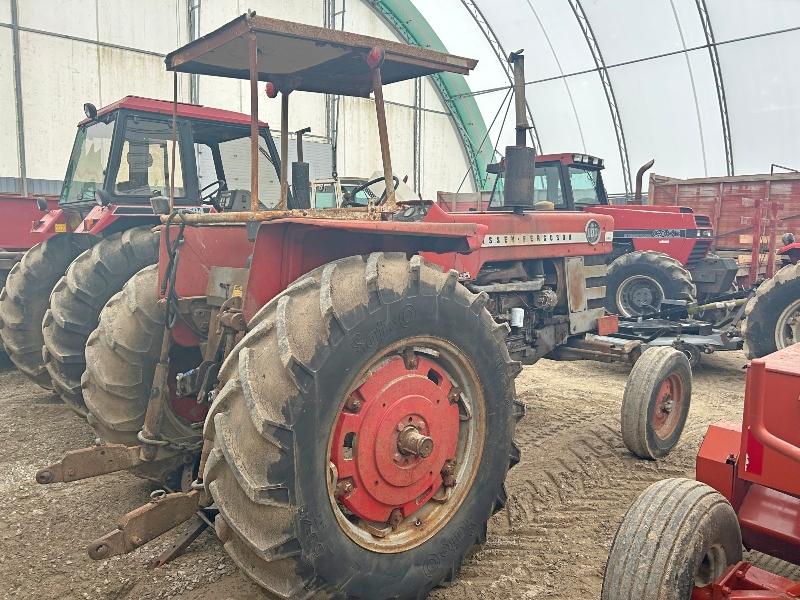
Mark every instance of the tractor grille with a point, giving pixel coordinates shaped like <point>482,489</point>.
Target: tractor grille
<point>596,296</point>
<point>701,248</point>
<point>702,221</point>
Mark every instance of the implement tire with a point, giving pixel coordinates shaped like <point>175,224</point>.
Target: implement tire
<point>641,280</point>
<point>79,296</point>
<point>291,389</point>
<point>121,357</point>
<point>677,535</point>
<point>772,316</point>
<point>25,296</point>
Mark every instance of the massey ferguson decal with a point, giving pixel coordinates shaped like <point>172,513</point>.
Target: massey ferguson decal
<point>663,233</point>
<point>592,232</point>
<point>592,236</point>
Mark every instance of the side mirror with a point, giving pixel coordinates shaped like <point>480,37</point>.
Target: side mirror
<point>90,110</point>
<point>41,204</point>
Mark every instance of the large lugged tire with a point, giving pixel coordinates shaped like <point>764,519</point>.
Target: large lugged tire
<point>772,316</point>
<point>25,296</point>
<point>362,341</point>
<point>637,283</point>
<point>678,534</point>
<point>121,357</point>
<point>656,402</point>
<point>78,298</point>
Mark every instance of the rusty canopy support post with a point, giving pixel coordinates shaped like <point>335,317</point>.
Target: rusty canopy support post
<point>174,140</point>
<point>755,253</point>
<point>383,135</point>
<point>253,51</point>
<point>284,202</point>
<point>774,208</point>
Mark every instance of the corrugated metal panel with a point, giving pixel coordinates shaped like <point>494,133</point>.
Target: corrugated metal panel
<point>44,187</point>
<point>730,203</point>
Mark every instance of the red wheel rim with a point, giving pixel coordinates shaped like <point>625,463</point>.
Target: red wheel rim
<point>406,444</point>
<point>395,401</point>
<point>668,406</point>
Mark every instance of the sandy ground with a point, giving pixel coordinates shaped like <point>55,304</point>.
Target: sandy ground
<point>567,496</point>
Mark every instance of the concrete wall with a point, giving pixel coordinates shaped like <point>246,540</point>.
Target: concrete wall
<point>76,51</point>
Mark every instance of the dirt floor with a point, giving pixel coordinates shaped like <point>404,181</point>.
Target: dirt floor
<point>567,496</point>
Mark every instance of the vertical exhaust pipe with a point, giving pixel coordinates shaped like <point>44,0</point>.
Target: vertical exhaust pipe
<point>520,159</point>
<point>637,194</point>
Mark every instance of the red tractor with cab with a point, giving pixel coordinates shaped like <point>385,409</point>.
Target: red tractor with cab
<point>660,252</point>
<point>102,231</point>
<point>683,539</point>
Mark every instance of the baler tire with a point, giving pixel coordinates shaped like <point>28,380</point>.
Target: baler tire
<point>678,534</point>
<point>668,273</point>
<point>280,392</point>
<point>764,310</point>
<point>25,297</point>
<point>660,380</point>
<point>79,296</point>
<point>121,357</point>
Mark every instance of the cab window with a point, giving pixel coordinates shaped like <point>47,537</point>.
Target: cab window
<point>547,184</point>
<point>584,183</point>
<point>146,160</point>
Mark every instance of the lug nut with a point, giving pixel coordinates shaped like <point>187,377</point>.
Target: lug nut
<point>396,518</point>
<point>353,404</point>
<point>344,488</point>
<point>410,359</point>
<point>455,395</point>
<point>448,473</point>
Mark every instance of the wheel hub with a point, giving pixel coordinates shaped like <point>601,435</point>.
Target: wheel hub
<point>637,294</point>
<point>667,411</point>
<point>392,439</point>
<point>787,331</point>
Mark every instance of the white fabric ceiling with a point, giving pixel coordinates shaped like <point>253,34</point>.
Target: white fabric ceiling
<point>660,74</point>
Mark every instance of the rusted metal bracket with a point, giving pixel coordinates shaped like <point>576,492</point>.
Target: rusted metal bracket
<point>146,523</point>
<point>196,528</point>
<point>599,348</point>
<point>99,459</point>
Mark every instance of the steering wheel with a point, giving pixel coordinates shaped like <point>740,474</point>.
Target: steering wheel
<point>351,201</point>
<point>209,197</point>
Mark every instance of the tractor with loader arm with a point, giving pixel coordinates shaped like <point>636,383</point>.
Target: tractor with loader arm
<point>683,539</point>
<point>102,231</point>
<point>334,389</point>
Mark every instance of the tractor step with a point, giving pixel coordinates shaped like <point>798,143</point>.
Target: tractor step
<point>143,524</point>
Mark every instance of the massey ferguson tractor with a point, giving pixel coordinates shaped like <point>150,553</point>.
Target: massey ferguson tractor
<point>334,388</point>
<point>102,232</point>
<point>683,539</point>
<point>660,252</point>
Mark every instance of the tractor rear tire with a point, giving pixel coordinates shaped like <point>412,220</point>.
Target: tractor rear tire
<point>290,382</point>
<point>772,316</point>
<point>121,357</point>
<point>637,282</point>
<point>25,296</point>
<point>677,535</point>
<point>78,298</point>
<point>656,402</point>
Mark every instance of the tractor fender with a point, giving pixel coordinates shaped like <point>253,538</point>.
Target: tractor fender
<point>52,222</point>
<point>286,249</point>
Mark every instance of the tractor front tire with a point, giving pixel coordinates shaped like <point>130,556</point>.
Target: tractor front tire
<point>772,315</point>
<point>25,296</point>
<point>656,402</point>
<point>639,281</point>
<point>305,443</point>
<point>121,357</point>
<point>677,535</point>
<point>79,296</point>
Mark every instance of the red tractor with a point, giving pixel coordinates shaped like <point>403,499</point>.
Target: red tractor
<point>660,252</point>
<point>102,231</point>
<point>335,388</point>
<point>683,539</point>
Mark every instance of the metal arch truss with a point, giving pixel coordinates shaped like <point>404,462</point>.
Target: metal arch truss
<point>469,147</point>
<point>716,67</point>
<point>602,70</point>
<point>502,57</point>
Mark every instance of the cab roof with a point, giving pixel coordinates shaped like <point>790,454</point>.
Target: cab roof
<point>294,56</point>
<point>184,110</point>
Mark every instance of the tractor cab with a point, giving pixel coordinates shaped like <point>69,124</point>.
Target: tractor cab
<point>569,181</point>
<point>123,154</point>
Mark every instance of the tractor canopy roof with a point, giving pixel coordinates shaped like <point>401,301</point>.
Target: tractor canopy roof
<point>294,56</point>
<point>183,109</point>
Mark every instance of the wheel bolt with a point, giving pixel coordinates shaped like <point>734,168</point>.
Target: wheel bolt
<point>396,518</point>
<point>455,395</point>
<point>353,404</point>
<point>411,441</point>
<point>448,473</point>
<point>344,488</point>
<point>410,359</point>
